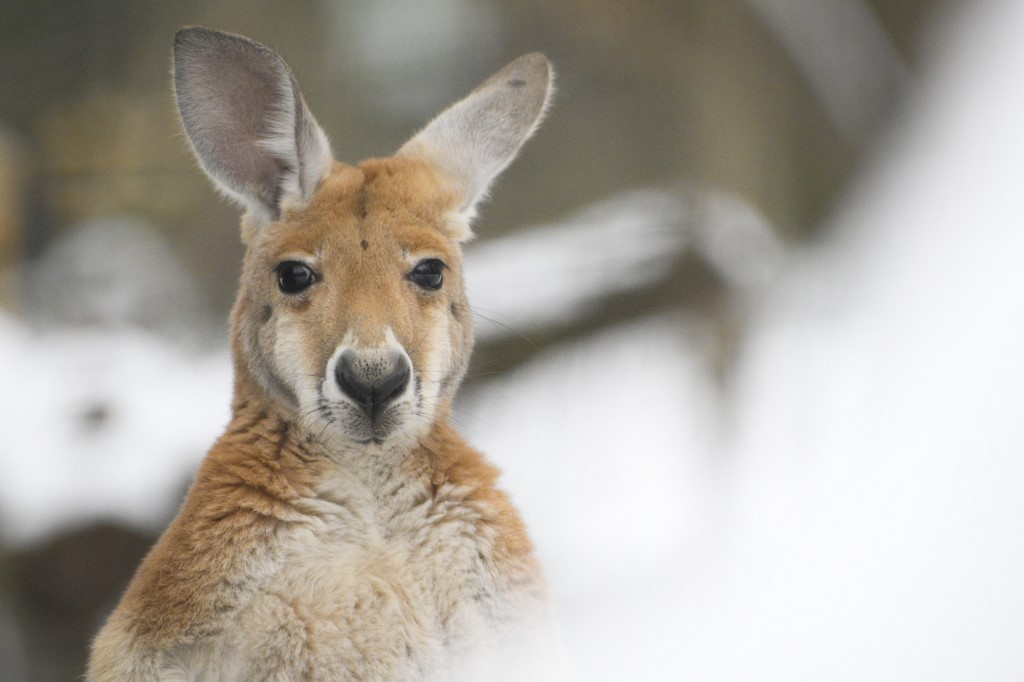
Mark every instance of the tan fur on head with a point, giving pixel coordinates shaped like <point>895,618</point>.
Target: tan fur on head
<point>364,230</point>
<point>340,528</point>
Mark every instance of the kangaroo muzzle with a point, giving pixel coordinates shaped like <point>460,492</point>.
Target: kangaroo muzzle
<point>373,380</point>
<point>369,391</point>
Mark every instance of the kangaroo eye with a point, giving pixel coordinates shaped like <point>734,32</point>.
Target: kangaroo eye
<point>293,276</point>
<point>428,274</point>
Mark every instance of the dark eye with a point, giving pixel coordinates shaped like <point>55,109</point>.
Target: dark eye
<point>293,276</point>
<point>428,274</point>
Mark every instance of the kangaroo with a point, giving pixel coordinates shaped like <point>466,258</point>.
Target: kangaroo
<point>340,528</point>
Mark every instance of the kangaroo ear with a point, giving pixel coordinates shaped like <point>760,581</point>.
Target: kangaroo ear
<point>476,138</point>
<point>247,122</point>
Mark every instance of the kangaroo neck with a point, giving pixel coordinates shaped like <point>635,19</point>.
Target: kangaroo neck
<point>317,465</point>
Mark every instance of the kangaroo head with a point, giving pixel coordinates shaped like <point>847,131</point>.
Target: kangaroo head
<point>351,316</point>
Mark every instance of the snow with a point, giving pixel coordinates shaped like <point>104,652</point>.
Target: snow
<point>103,423</point>
<point>606,453</point>
<point>550,275</point>
<point>850,506</point>
<point>554,273</point>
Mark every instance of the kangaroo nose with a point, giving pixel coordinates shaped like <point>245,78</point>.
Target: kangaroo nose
<point>372,383</point>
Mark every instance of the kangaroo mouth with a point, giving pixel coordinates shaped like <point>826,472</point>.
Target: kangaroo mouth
<point>361,424</point>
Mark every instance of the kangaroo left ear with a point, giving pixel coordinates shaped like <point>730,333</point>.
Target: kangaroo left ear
<point>476,138</point>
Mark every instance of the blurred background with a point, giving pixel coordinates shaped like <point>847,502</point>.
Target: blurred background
<point>750,315</point>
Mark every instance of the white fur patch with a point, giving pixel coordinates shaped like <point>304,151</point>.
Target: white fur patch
<point>437,366</point>
<point>295,369</point>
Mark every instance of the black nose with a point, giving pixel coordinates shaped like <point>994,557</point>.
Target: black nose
<point>372,382</point>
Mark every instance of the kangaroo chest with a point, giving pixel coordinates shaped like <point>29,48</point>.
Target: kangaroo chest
<point>375,589</point>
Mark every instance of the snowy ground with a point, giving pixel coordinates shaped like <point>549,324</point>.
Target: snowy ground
<point>851,509</point>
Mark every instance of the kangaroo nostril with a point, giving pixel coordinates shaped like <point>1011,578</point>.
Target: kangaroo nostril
<point>393,386</point>
<point>369,384</point>
<point>350,382</point>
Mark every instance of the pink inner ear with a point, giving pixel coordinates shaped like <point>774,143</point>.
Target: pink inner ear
<point>246,121</point>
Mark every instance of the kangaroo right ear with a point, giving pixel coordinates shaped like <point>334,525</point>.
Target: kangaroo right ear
<point>473,140</point>
<point>247,122</point>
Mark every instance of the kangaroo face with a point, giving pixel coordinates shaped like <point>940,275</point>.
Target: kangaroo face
<point>353,309</point>
<point>351,315</point>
